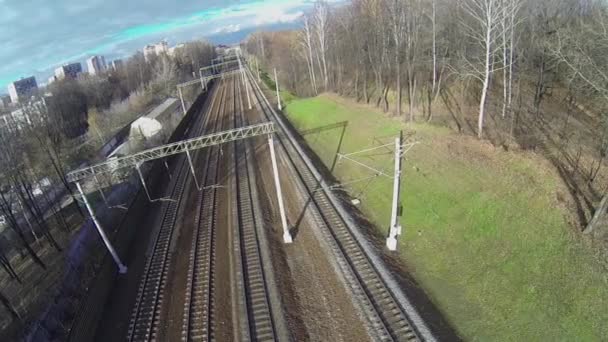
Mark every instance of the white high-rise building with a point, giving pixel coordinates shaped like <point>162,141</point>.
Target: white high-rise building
<point>156,49</point>
<point>96,65</point>
<point>68,70</point>
<point>116,64</point>
<point>22,89</point>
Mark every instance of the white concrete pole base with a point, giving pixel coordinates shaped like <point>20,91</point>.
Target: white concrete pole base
<point>391,243</point>
<point>122,269</point>
<point>287,237</point>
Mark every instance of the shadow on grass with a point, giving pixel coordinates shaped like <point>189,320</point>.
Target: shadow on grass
<point>343,124</point>
<point>433,317</point>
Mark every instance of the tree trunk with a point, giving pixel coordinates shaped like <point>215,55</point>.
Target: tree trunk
<point>9,307</point>
<point>14,225</point>
<point>385,98</point>
<point>62,176</point>
<point>365,95</point>
<point>511,63</point>
<point>412,94</point>
<point>398,66</point>
<point>6,264</point>
<point>38,214</point>
<point>486,80</point>
<point>540,85</point>
<point>600,211</point>
<point>357,85</point>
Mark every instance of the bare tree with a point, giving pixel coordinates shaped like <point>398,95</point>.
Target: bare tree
<point>510,21</point>
<point>306,43</point>
<point>320,23</point>
<point>483,27</point>
<point>398,22</point>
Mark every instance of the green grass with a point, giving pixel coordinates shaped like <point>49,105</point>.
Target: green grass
<point>483,232</point>
<point>286,96</point>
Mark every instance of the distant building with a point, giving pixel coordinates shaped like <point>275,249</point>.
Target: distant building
<point>116,64</point>
<point>96,65</point>
<point>5,101</point>
<point>174,49</point>
<point>22,88</point>
<point>71,70</point>
<point>156,49</point>
<point>51,79</point>
<point>19,117</point>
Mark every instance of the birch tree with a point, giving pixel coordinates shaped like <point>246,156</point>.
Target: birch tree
<point>510,21</point>
<point>398,21</point>
<point>321,27</point>
<point>483,27</point>
<point>305,40</point>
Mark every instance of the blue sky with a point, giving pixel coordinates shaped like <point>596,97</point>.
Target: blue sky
<point>39,35</point>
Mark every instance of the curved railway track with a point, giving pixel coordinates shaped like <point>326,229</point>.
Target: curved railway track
<point>380,302</point>
<point>146,314</point>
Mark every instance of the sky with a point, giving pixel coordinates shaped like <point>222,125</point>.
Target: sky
<point>40,35</point>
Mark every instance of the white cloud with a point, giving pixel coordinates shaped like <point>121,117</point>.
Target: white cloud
<point>277,15</point>
<point>228,29</point>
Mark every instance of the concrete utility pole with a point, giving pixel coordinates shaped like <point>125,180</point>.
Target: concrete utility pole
<point>286,234</point>
<point>168,170</point>
<point>181,98</point>
<point>276,81</point>
<point>192,170</point>
<point>103,195</point>
<point>395,228</point>
<point>200,74</point>
<point>247,90</point>
<point>244,80</point>
<point>122,269</point>
<point>257,66</point>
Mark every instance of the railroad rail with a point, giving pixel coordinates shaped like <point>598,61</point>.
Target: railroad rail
<point>198,321</point>
<point>146,313</point>
<point>389,314</point>
<point>260,319</point>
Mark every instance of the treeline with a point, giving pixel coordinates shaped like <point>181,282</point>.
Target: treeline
<point>157,75</point>
<point>526,72</point>
<point>40,146</point>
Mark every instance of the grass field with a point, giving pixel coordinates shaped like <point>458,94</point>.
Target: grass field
<point>484,231</point>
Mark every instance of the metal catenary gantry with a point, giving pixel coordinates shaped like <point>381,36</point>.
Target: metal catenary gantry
<point>171,149</point>
<point>184,146</point>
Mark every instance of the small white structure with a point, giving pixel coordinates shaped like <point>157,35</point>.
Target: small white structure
<point>145,128</point>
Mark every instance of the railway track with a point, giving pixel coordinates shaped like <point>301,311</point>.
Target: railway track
<point>378,297</point>
<point>261,325</point>
<point>198,320</point>
<point>145,318</point>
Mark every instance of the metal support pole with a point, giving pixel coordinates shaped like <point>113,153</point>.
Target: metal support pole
<point>395,228</point>
<point>143,181</point>
<point>192,170</point>
<point>257,66</point>
<point>276,81</point>
<point>28,221</point>
<point>286,234</point>
<point>200,74</point>
<point>181,98</point>
<point>247,90</point>
<point>103,195</point>
<point>122,269</point>
<point>168,170</point>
